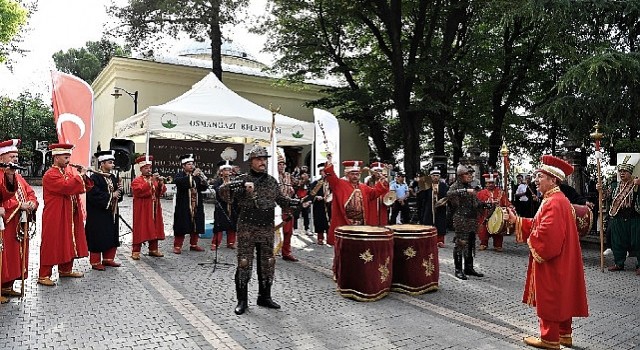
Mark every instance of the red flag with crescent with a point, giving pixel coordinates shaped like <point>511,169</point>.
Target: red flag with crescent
<point>73,114</point>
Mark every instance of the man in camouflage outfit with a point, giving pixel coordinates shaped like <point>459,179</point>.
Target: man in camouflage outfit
<point>256,195</point>
<point>466,207</point>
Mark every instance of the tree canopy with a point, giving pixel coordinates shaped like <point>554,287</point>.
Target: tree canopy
<point>87,62</point>
<point>12,17</point>
<point>143,23</point>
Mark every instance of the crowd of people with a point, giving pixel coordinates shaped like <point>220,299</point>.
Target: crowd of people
<point>538,212</point>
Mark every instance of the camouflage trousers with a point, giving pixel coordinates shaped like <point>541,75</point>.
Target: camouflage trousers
<point>260,239</point>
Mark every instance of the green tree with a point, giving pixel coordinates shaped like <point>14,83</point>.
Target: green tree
<point>87,62</point>
<point>144,22</point>
<point>30,119</point>
<point>12,17</point>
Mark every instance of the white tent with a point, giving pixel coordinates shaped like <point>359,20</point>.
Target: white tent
<point>211,111</point>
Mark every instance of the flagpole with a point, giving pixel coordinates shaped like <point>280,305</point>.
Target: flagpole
<point>505,172</point>
<point>597,136</point>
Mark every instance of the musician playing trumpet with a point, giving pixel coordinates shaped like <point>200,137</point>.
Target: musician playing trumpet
<point>432,201</point>
<point>103,219</point>
<point>19,214</point>
<point>63,237</point>
<point>148,224</point>
<point>493,197</point>
<point>188,217</point>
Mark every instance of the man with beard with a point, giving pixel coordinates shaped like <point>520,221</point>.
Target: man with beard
<point>466,207</point>
<point>555,283</point>
<point>433,203</point>
<point>256,195</point>
<point>103,219</point>
<point>63,236</point>
<point>20,209</point>
<point>148,224</point>
<point>188,216</point>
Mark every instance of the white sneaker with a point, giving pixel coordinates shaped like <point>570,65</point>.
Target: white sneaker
<point>608,252</point>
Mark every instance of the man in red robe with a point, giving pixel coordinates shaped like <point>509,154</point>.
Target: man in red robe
<point>495,197</point>
<point>148,225</point>
<point>555,277</point>
<point>379,213</point>
<point>63,236</point>
<point>20,214</point>
<point>351,199</point>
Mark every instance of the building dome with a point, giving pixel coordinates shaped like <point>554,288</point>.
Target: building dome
<point>232,53</point>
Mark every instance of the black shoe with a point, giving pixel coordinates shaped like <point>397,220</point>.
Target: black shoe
<point>459,274</point>
<point>241,308</point>
<point>472,272</point>
<point>267,302</point>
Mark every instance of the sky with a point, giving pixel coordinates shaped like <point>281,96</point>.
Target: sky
<point>64,24</point>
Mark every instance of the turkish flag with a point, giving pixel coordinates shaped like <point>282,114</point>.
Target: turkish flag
<point>73,114</point>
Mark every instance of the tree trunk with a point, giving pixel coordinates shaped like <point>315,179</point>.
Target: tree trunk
<point>378,133</point>
<point>216,40</point>
<point>495,138</point>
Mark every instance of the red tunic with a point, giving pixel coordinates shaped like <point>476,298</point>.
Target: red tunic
<point>147,212</point>
<point>342,190</point>
<point>63,237</point>
<point>11,256</point>
<point>486,196</point>
<point>555,277</point>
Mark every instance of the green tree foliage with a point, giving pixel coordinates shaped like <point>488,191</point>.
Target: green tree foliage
<point>12,17</point>
<point>145,22</point>
<point>87,62</point>
<point>28,118</point>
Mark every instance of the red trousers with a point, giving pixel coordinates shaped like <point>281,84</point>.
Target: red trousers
<point>231,238</point>
<point>287,232</point>
<point>47,270</point>
<point>550,331</point>
<point>484,235</point>
<point>153,246</point>
<point>179,240</point>
<point>97,257</point>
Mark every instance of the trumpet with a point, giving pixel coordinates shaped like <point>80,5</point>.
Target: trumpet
<point>200,174</point>
<point>80,167</point>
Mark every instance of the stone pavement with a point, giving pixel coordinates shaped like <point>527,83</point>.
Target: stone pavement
<point>175,303</point>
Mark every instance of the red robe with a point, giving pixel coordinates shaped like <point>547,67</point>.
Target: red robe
<point>486,196</point>
<point>147,212</point>
<point>342,190</point>
<point>11,256</point>
<point>63,237</point>
<point>379,215</point>
<point>555,277</point>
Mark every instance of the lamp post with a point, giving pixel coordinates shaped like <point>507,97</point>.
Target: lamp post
<point>134,95</point>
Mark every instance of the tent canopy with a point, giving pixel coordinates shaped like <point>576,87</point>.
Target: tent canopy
<point>211,111</point>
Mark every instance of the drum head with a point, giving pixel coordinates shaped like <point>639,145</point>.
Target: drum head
<point>496,224</point>
<point>389,198</point>
<point>410,228</point>
<point>362,229</point>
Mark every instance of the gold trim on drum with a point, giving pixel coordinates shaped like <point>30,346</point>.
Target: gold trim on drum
<point>366,237</point>
<point>352,294</point>
<point>366,256</point>
<point>429,266</point>
<point>384,270</point>
<point>411,228</point>
<point>401,288</point>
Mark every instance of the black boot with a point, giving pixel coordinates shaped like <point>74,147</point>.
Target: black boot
<point>468,258</point>
<point>457,261</point>
<point>241,293</point>
<point>264,296</point>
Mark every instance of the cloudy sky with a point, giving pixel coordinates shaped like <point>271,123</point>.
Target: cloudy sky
<point>64,24</point>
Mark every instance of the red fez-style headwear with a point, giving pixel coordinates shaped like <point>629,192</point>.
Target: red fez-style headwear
<point>60,148</point>
<point>144,160</point>
<point>490,177</point>
<point>9,146</point>
<point>352,165</point>
<point>555,167</point>
<point>376,166</point>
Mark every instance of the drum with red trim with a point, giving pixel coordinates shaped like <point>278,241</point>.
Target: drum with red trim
<point>584,219</point>
<point>416,269</point>
<point>363,262</point>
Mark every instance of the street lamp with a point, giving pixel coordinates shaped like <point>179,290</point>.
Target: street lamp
<point>134,95</point>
